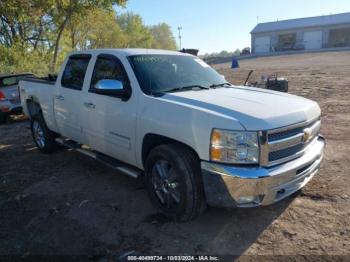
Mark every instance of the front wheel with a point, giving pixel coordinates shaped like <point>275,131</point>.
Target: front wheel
<point>173,181</point>
<point>42,136</point>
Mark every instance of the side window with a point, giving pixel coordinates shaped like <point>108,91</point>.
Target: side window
<point>108,67</point>
<point>74,73</point>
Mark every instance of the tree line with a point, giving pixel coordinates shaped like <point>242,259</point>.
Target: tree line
<point>223,53</point>
<point>35,35</point>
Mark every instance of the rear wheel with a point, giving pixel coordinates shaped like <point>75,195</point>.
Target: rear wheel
<point>42,136</point>
<point>173,181</point>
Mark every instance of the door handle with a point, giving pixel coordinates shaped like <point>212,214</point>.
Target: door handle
<point>89,105</point>
<point>59,97</point>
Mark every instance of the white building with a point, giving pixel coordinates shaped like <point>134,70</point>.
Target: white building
<point>311,33</point>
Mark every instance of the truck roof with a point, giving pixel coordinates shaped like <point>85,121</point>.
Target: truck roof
<point>131,51</point>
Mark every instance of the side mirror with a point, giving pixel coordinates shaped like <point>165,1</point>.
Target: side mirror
<point>112,87</point>
<point>109,84</point>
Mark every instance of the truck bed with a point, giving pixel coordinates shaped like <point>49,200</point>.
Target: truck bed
<point>40,91</point>
<point>50,79</point>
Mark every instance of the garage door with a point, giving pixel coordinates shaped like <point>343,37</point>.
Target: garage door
<point>262,44</point>
<point>313,40</point>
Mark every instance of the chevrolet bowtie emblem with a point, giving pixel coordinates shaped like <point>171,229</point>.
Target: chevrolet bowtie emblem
<point>307,135</point>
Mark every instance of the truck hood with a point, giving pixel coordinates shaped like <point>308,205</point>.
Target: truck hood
<point>253,108</point>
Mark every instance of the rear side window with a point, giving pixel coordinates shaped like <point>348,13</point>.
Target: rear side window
<point>108,67</point>
<point>74,73</point>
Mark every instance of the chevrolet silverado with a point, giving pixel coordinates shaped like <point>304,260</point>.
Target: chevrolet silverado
<point>170,118</point>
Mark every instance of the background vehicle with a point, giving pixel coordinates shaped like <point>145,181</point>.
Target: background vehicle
<point>271,82</point>
<point>245,51</point>
<point>10,102</point>
<point>169,116</point>
<point>191,51</point>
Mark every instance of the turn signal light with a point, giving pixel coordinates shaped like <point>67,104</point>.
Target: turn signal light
<point>215,153</point>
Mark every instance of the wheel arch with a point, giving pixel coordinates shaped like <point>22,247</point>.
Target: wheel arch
<point>33,107</point>
<point>151,140</point>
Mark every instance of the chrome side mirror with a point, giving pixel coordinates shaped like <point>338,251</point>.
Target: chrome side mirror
<point>109,85</point>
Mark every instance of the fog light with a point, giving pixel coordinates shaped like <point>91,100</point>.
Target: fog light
<point>246,199</point>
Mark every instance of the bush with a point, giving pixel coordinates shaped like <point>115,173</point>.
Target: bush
<point>19,58</point>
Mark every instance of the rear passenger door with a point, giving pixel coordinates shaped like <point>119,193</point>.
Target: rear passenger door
<point>68,96</point>
<point>109,122</point>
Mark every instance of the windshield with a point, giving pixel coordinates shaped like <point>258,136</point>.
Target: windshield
<point>163,73</point>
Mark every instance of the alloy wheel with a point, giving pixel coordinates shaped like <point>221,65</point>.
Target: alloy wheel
<point>38,134</point>
<point>165,184</point>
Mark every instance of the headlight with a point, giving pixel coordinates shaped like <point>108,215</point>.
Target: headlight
<point>234,147</point>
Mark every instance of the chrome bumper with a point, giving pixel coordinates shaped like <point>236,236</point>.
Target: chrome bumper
<point>228,186</point>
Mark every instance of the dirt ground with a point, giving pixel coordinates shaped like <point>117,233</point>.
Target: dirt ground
<point>68,204</point>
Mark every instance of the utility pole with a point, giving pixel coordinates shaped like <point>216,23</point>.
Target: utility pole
<point>180,28</point>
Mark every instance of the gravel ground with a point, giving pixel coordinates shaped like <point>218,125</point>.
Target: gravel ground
<point>68,204</point>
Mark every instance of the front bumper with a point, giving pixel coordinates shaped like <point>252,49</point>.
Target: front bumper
<point>230,186</point>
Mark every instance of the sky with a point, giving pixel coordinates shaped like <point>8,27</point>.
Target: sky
<point>216,25</point>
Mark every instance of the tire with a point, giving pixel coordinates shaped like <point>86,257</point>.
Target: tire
<point>174,183</point>
<point>43,138</point>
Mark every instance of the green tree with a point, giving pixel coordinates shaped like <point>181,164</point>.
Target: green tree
<point>16,59</point>
<point>138,34</point>
<point>237,52</point>
<point>62,11</point>
<point>23,22</point>
<point>91,32</point>
<point>35,35</point>
<point>163,37</point>
<point>35,23</point>
<point>224,53</point>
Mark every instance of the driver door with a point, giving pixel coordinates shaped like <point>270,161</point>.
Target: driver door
<point>109,121</point>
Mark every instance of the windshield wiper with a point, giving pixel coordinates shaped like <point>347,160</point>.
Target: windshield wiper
<point>219,85</point>
<point>182,88</point>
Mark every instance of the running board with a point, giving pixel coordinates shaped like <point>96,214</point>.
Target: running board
<point>107,160</point>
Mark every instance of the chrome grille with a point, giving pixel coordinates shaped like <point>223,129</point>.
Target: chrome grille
<point>276,155</point>
<point>285,134</point>
<point>284,144</point>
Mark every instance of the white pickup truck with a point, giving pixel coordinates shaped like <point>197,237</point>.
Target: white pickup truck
<point>171,118</point>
